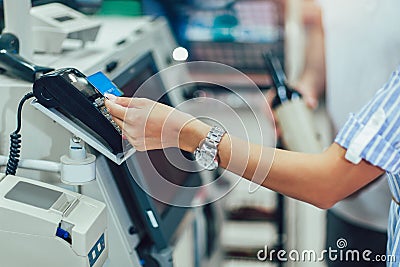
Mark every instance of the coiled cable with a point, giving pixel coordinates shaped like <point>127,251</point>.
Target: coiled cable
<point>15,140</point>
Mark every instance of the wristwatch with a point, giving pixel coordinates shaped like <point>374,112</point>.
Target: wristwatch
<point>206,154</point>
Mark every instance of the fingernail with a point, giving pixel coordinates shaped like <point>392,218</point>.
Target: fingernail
<point>110,97</point>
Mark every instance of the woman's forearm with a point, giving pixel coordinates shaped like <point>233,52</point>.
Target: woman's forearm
<point>319,179</point>
<point>314,72</point>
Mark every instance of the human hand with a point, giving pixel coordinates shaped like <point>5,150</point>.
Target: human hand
<point>145,122</point>
<point>309,94</point>
<point>149,125</point>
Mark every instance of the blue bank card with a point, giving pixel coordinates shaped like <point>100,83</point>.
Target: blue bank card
<point>103,84</point>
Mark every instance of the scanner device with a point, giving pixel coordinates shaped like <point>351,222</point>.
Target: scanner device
<point>70,92</point>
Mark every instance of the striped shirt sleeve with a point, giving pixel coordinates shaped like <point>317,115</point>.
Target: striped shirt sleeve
<point>373,134</point>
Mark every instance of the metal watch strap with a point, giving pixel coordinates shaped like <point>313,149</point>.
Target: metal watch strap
<point>207,152</point>
<point>214,136</point>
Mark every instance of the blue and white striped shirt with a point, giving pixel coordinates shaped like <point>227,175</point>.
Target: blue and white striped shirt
<point>373,134</point>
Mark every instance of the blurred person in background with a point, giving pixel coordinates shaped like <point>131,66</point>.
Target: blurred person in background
<point>352,48</point>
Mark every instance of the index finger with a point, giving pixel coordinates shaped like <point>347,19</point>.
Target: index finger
<point>116,110</point>
<point>128,102</point>
<point>124,101</point>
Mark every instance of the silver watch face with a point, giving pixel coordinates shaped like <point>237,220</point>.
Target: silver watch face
<point>206,159</point>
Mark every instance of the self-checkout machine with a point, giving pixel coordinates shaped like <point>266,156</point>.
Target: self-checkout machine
<point>44,224</point>
<point>46,139</point>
